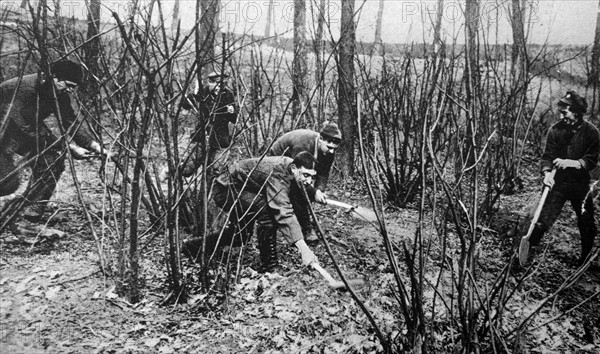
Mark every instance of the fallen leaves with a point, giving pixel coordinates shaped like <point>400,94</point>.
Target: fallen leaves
<point>263,313</point>
<point>286,316</point>
<point>22,286</point>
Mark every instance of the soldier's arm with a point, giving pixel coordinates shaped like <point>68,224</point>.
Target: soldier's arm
<point>590,157</point>
<point>323,168</point>
<point>279,201</point>
<point>79,128</point>
<point>75,126</point>
<point>550,152</point>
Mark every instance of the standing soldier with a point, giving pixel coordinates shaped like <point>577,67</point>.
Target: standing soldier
<point>216,103</point>
<point>24,105</point>
<point>572,148</point>
<point>322,146</point>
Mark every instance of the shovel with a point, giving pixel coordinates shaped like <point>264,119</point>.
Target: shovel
<point>333,284</point>
<point>356,211</point>
<point>524,245</point>
<point>337,284</point>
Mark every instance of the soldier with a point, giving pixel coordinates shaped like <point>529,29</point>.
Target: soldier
<point>24,105</point>
<point>218,106</point>
<point>260,190</point>
<point>322,146</point>
<point>572,148</point>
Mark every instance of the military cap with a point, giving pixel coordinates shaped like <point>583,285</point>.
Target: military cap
<point>577,103</point>
<point>331,130</point>
<point>67,70</point>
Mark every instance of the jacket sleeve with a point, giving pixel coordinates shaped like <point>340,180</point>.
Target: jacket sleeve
<point>228,99</point>
<point>550,152</point>
<point>78,127</point>
<point>323,168</point>
<point>590,157</point>
<point>203,111</point>
<point>321,182</point>
<point>278,199</point>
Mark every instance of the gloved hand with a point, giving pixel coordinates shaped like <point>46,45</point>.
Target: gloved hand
<point>320,197</point>
<point>308,257</point>
<point>99,149</point>
<point>163,174</point>
<point>566,163</point>
<point>549,179</point>
<point>80,153</point>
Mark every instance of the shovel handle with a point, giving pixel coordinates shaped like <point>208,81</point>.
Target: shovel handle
<point>323,272</point>
<point>524,244</point>
<point>538,210</point>
<point>335,284</point>
<point>340,204</point>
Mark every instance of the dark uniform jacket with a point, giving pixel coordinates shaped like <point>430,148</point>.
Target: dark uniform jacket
<point>296,141</point>
<point>214,109</point>
<point>271,178</point>
<point>580,143</point>
<point>24,125</point>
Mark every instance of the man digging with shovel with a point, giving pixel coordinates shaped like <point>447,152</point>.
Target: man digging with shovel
<point>571,152</point>
<point>259,191</point>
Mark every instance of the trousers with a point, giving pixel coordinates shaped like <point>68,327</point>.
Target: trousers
<point>47,166</point>
<point>583,205</point>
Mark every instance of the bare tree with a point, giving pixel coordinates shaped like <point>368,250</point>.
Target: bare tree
<point>93,41</point>
<point>269,19</point>
<point>594,78</point>
<point>437,28</point>
<point>92,52</point>
<point>318,45</point>
<point>175,23</point>
<point>472,33</point>
<point>57,11</point>
<point>378,43</point>
<point>299,96</point>
<point>209,26</point>
<point>346,88</point>
<point>318,48</point>
<point>518,54</point>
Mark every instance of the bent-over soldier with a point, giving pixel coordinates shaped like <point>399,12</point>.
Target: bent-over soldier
<point>24,105</point>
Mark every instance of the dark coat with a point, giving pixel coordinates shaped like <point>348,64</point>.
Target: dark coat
<point>24,105</point>
<point>580,143</point>
<point>24,124</point>
<point>271,178</point>
<point>214,109</point>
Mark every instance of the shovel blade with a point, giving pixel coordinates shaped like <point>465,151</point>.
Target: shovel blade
<point>366,214</point>
<point>354,284</point>
<point>358,212</point>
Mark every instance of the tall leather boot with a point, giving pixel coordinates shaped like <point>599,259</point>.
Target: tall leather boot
<point>45,173</point>
<point>192,248</point>
<point>587,242</point>
<point>586,249</point>
<point>267,247</point>
<point>588,232</point>
<point>536,235</point>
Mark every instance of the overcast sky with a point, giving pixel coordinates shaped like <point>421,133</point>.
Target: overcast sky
<point>554,21</point>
